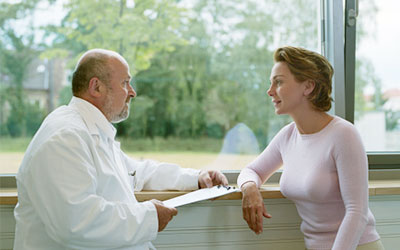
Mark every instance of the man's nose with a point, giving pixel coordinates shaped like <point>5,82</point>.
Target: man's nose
<point>131,92</point>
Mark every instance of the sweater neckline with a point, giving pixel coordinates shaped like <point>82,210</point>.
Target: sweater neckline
<point>330,124</point>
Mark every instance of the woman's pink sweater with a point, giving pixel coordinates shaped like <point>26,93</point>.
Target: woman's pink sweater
<point>326,175</point>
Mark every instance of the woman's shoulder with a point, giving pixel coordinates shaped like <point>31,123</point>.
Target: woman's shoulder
<point>343,129</point>
<point>287,131</point>
<point>340,124</point>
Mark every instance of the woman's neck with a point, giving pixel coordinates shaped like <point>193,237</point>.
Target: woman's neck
<point>311,121</point>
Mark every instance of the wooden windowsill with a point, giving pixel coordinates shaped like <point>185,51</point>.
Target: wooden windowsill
<point>9,196</point>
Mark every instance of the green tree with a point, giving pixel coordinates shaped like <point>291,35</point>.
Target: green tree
<point>136,124</point>
<point>199,69</point>
<point>136,32</point>
<point>16,53</point>
<point>219,78</point>
<point>65,95</point>
<point>242,57</point>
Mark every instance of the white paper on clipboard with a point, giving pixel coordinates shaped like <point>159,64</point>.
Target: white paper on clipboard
<point>200,195</point>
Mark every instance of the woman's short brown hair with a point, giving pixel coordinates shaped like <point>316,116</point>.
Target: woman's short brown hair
<point>308,65</point>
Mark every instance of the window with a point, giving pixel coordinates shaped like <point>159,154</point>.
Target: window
<point>201,70</point>
<point>377,100</point>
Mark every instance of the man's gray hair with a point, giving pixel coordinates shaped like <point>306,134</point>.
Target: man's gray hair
<point>93,63</point>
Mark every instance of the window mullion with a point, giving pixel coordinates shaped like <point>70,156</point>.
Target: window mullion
<point>333,49</point>
<point>351,12</point>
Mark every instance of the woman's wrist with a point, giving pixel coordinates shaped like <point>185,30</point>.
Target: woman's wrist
<point>248,185</point>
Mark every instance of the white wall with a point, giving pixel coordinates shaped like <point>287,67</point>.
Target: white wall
<point>219,225</point>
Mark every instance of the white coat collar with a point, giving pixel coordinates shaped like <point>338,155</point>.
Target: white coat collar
<point>93,117</point>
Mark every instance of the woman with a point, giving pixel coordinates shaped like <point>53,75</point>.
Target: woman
<point>325,168</point>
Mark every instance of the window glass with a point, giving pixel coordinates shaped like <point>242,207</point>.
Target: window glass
<point>200,68</point>
<point>377,102</point>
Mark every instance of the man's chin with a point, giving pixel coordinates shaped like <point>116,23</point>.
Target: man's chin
<point>121,117</point>
<point>118,120</point>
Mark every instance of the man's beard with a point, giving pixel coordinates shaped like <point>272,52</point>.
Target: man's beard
<point>115,118</point>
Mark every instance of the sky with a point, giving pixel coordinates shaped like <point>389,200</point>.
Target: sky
<point>384,49</point>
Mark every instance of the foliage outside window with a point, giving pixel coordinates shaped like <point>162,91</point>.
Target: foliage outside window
<point>200,68</point>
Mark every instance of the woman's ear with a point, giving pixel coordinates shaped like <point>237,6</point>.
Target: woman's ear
<point>309,87</point>
<point>95,87</point>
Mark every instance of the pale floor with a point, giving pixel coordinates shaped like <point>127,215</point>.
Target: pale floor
<point>10,161</point>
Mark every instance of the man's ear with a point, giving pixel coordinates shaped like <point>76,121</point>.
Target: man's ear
<point>309,87</point>
<point>95,87</point>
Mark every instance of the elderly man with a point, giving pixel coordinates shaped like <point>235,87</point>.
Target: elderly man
<point>76,186</point>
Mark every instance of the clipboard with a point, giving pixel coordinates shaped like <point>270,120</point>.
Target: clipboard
<point>200,195</point>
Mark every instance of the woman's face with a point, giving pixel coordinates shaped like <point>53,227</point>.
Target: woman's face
<point>288,95</point>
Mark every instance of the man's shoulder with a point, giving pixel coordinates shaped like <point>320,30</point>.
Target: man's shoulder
<point>63,122</point>
<point>63,118</point>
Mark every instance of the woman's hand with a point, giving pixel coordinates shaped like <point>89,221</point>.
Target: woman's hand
<point>253,207</point>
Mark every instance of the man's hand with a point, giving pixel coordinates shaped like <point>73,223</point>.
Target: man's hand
<point>253,207</point>
<point>164,214</point>
<point>211,178</point>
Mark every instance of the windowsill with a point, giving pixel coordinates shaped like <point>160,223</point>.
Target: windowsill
<point>8,196</point>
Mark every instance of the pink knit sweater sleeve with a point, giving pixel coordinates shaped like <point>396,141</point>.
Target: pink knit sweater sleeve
<point>265,164</point>
<point>352,169</point>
